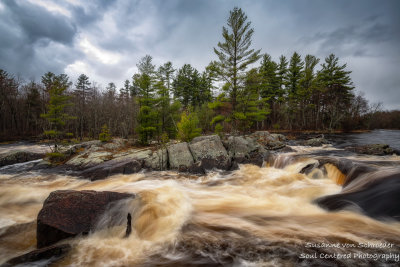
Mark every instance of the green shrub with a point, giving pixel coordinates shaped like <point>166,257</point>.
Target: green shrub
<point>104,136</point>
<point>56,157</point>
<point>187,127</point>
<point>276,126</point>
<point>218,129</point>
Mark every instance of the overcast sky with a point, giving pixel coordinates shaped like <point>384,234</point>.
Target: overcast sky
<point>105,39</point>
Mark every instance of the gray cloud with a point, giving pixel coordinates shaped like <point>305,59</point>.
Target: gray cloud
<point>34,40</point>
<point>36,23</point>
<point>105,39</point>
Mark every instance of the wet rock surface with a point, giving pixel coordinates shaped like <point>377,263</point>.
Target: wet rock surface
<point>40,257</point>
<point>18,157</point>
<point>67,213</point>
<point>373,197</point>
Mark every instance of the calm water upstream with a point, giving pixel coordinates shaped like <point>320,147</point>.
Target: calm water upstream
<point>249,217</point>
<point>390,137</point>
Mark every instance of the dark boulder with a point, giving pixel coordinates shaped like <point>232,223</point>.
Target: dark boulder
<point>67,213</point>
<point>377,196</point>
<point>49,254</point>
<point>18,157</point>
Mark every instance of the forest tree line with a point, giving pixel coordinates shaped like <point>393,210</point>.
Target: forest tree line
<point>240,92</point>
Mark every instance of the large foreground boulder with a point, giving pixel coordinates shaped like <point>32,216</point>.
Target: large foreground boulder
<point>209,152</point>
<point>18,157</point>
<point>67,213</point>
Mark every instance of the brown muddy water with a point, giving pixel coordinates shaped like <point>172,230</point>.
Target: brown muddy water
<point>249,217</point>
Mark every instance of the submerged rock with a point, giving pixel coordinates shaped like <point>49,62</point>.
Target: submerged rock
<point>377,196</point>
<point>315,142</point>
<point>45,255</point>
<point>209,153</point>
<point>18,157</point>
<point>108,168</point>
<point>67,213</point>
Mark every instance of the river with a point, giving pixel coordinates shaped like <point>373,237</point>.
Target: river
<point>249,217</point>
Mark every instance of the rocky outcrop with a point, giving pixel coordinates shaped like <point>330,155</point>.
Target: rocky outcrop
<point>96,160</point>
<point>208,152</point>
<point>89,159</point>
<point>44,256</point>
<point>67,213</point>
<point>373,149</point>
<point>18,157</point>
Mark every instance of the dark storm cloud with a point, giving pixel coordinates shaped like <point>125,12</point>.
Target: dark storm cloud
<point>26,30</point>
<point>36,23</point>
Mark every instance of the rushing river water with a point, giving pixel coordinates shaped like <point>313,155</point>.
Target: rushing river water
<point>250,217</point>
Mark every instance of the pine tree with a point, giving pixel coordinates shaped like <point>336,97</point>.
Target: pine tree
<point>81,92</point>
<point>294,75</point>
<point>307,88</point>
<point>57,115</point>
<point>234,53</point>
<point>270,87</point>
<point>251,108</point>
<point>143,82</point>
<point>337,89</point>
<point>183,86</point>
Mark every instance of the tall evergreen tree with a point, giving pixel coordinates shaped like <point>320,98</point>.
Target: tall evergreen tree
<point>234,53</point>
<point>337,89</point>
<point>270,87</point>
<point>307,90</point>
<point>294,75</point>
<point>82,91</point>
<point>143,82</point>
<point>57,115</point>
<point>165,74</point>
<point>251,107</point>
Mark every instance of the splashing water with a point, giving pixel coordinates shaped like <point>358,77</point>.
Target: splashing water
<point>249,217</point>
